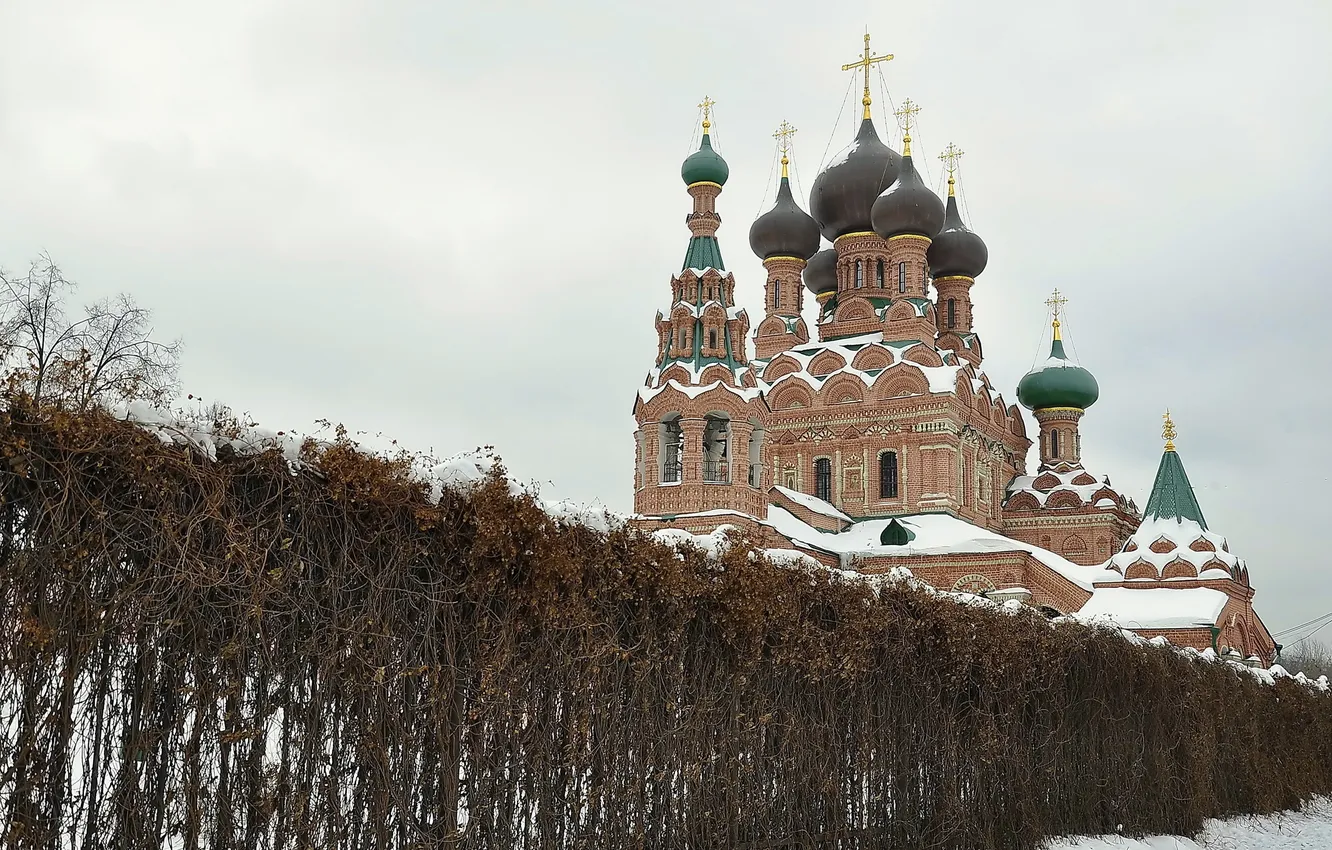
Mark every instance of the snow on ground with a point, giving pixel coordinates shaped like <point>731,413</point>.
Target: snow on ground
<point>1308,829</point>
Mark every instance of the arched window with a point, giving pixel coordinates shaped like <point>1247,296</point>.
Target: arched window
<point>860,274</point>
<point>888,475</point>
<point>878,276</point>
<point>925,279</point>
<point>682,338</point>
<point>776,294</point>
<point>952,313</point>
<point>901,277</point>
<point>712,339</point>
<point>672,449</point>
<point>1054,442</point>
<point>823,478</point>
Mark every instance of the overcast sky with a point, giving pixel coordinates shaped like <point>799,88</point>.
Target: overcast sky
<point>453,222</point>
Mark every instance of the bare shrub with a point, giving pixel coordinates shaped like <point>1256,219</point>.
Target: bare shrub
<point>227,654</point>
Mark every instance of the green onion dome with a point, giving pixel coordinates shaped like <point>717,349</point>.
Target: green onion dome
<point>956,250</point>
<point>907,206</point>
<point>843,194</point>
<point>705,165</point>
<point>821,272</point>
<point>1058,382</point>
<point>785,230</point>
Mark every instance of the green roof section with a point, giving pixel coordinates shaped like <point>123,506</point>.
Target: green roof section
<point>703,252</point>
<point>1059,382</point>
<point>1172,494</point>
<point>705,165</point>
<point>896,534</point>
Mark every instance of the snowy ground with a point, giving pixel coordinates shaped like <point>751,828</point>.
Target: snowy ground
<point>1302,830</point>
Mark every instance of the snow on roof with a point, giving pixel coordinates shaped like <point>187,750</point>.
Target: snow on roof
<point>843,155</point>
<point>1155,607</point>
<point>646,394</point>
<point>1084,492</point>
<point>935,534</point>
<point>700,272</point>
<point>941,379</point>
<point>1181,534</point>
<point>813,503</point>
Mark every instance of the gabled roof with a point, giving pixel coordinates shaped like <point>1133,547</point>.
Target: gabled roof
<point>1172,494</point>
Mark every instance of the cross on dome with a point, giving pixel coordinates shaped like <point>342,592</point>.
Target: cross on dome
<point>783,136</point>
<point>706,106</point>
<point>866,60</point>
<point>1056,303</point>
<point>950,156</point>
<point>905,116</point>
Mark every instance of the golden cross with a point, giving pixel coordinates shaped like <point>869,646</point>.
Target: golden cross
<point>706,106</point>
<point>783,137</point>
<point>1168,431</point>
<point>905,116</point>
<point>865,62</point>
<point>1056,302</point>
<point>950,156</point>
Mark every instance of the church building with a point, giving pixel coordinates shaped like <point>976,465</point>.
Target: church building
<point>876,440</point>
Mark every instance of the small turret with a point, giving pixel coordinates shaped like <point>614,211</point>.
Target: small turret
<point>1058,392</point>
<point>705,165</point>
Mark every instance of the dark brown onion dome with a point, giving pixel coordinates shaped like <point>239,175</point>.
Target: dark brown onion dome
<point>957,250</point>
<point>844,192</point>
<point>785,230</point>
<point>908,206</point>
<point>821,272</point>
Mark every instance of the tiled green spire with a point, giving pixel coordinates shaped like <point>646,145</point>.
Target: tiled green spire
<point>1172,494</point>
<point>704,252</point>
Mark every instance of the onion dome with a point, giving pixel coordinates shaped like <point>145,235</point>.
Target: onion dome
<point>1058,382</point>
<point>821,272</point>
<point>786,229</point>
<point>908,206</point>
<point>844,192</point>
<point>956,250</point>
<point>705,165</point>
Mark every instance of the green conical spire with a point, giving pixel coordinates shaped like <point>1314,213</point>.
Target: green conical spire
<point>1172,494</point>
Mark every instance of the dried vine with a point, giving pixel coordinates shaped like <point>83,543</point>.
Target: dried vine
<point>224,654</point>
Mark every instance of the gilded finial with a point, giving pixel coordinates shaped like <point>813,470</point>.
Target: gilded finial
<point>905,116</point>
<point>866,60</point>
<point>950,156</point>
<point>1056,303</point>
<point>1168,431</point>
<point>783,137</point>
<point>706,106</point>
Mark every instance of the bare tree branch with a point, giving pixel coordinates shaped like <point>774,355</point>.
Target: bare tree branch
<point>106,355</point>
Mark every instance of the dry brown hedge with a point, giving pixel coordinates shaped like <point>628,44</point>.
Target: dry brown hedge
<point>239,657</point>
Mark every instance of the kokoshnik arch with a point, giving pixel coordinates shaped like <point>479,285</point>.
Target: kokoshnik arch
<point>882,443</point>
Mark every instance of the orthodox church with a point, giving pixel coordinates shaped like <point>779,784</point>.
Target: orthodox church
<point>878,441</point>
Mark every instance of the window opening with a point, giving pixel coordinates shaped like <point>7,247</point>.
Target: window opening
<point>888,475</point>
<point>823,479</point>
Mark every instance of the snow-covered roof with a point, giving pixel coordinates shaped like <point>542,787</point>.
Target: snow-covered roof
<point>813,503</point>
<point>941,379</point>
<point>1077,481</point>
<point>935,534</point>
<point>646,394</point>
<point>1156,607</point>
<point>1175,538</point>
